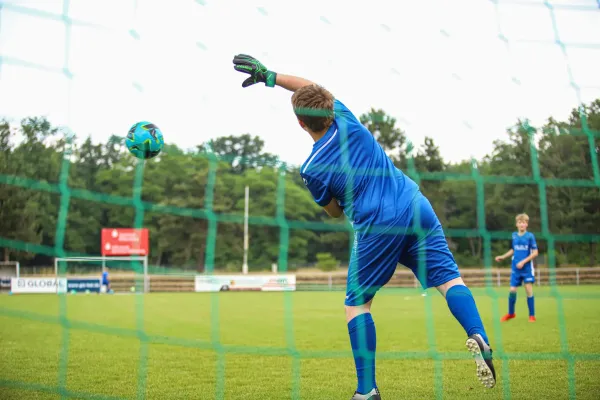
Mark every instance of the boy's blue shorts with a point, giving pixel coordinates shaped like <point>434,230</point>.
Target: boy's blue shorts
<point>518,277</point>
<point>375,255</point>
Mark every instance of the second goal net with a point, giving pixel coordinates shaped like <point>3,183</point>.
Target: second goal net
<point>92,267</point>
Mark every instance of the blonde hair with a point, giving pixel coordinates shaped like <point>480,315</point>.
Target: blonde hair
<point>522,217</point>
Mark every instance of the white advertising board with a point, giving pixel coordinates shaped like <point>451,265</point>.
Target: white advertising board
<point>38,285</point>
<point>270,283</point>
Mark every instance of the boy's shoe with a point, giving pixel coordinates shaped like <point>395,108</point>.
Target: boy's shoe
<point>372,395</point>
<point>531,318</point>
<point>482,353</point>
<point>507,317</point>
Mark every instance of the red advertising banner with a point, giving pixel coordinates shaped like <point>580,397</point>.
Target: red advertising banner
<point>124,242</point>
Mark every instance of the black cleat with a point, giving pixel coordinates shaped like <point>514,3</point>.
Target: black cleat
<point>372,395</point>
<point>482,353</point>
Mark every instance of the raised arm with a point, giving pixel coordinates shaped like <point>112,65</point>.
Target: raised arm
<point>259,73</point>
<point>291,83</point>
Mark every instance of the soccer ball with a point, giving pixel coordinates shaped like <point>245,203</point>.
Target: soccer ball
<point>144,140</point>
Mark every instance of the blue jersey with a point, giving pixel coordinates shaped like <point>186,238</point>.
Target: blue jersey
<point>348,164</point>
<point>104,277</point>
<point>523,246</point>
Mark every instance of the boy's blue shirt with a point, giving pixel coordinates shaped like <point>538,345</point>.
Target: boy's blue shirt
<point>348,164</point>
<point>522,246</point>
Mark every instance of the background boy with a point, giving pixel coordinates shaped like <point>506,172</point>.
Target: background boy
<point>523,250</point>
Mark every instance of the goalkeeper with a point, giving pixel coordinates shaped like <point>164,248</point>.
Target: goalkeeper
<point>349,173</point>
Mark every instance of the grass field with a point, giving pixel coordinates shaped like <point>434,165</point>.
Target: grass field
<point>289,345</point>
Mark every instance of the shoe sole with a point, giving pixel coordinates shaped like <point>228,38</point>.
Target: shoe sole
<point>484,373</point>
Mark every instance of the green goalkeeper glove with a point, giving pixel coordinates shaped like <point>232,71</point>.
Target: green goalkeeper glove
<point>257,71</point>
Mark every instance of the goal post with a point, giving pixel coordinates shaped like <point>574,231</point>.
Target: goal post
<point>103,261</point>
<point>10,269</point>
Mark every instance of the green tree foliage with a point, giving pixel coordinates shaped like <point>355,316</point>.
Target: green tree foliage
<point>428,160</point>
<point>326,262</point>
<point>24,213</point>
<point>391,138</point>
<point>175,183</point>
<point>242,152</point>
<point>568,152</point>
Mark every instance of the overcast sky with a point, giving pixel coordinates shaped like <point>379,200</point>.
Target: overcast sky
<point>459,71</point>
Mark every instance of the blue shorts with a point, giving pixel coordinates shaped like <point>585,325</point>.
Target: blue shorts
<point>375,255</point>
<point>517,278</point>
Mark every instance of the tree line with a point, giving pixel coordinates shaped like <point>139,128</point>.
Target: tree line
<point>564,153</point>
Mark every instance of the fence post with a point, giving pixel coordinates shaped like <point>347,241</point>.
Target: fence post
<point>539,279</point>
<point>577,275</point>
<point>498,277</point>
<point>330,282</point>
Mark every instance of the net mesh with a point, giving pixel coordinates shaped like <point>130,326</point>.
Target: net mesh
<point>209,212</point>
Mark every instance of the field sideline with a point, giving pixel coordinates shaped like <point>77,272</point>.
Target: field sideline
<point>289,345</point>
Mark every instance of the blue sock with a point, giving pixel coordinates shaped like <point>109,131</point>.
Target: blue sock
<point>512,300</point>
<point>363,340</point>
<point>462,305</point>
<point>530,304</point>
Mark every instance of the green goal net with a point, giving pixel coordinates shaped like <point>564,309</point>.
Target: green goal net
<point>57,191</point>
